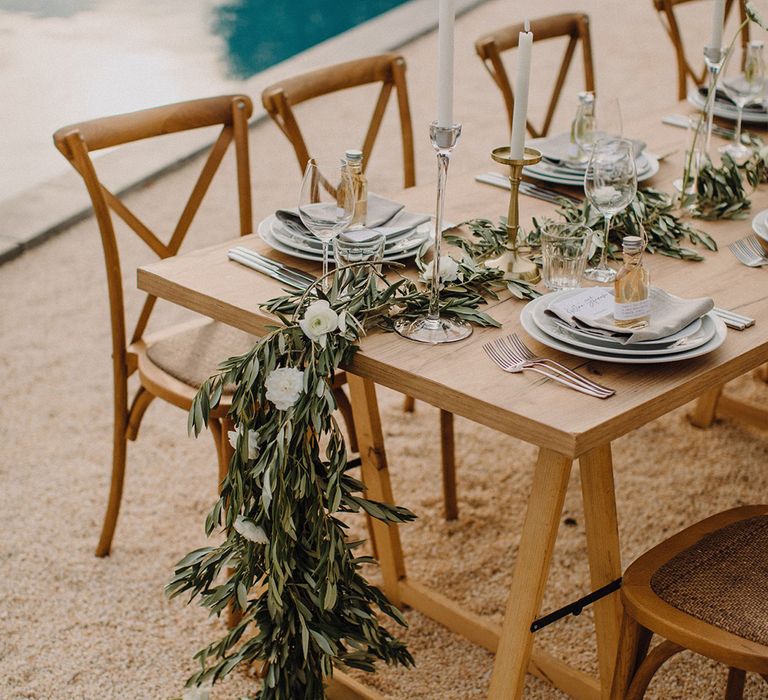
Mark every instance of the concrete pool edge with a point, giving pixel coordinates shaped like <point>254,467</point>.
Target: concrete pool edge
<point>34,216</point>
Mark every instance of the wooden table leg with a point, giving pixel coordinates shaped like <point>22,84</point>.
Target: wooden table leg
<point>542,519</point>
<point>703,414</point>
<point>602,527</point>
<point>448,457</point>
<point>376,478</point>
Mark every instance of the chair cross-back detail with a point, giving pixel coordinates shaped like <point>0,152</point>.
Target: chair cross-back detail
<point>666,10</point>
<point>575,26</point>
<point>388,69</point>
<point>165,361</point>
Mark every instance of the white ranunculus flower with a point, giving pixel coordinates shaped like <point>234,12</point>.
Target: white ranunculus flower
<point>197,692</point>
<point>449,269</point>
<point>253,441</point>
<point>250,530</point>
<point>319,320</point>
<point>284,385</point>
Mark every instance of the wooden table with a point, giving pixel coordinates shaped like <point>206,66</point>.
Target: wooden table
<point>564,424</point>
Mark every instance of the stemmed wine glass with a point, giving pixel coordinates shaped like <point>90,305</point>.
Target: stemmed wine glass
<point>326,209</point>
<point>610,184</point>
<point>743,87</point>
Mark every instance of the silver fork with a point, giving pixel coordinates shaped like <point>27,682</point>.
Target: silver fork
<point>502,359</point>
<point>749,251</point>
<point>518,350</point>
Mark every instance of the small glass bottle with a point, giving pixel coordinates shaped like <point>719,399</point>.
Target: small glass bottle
<point>583,128</point>
<point>632,286</point>
<point>354,170</point>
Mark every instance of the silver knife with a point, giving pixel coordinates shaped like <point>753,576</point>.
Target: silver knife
<point>268,271</point>
<point>280,267</point>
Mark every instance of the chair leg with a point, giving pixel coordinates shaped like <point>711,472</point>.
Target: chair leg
<point>734,690</point>
<point>703,414</point>
<point>349,419</point>
<point>633,646</point>
<point>409,404</point>
<point>448,458</point>
<point>658,656</point>
<point>138,408</point>
<point>119,449</point>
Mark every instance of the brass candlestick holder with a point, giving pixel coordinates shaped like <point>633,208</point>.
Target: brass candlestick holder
<point>513,262</point>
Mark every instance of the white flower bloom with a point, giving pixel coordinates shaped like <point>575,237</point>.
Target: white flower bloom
<point>197,692</point>
<point>250,530</point>
<point>764,154</point>
<point>284,386</point>
<point>319,320</point>
<point>449,269</point>
<point>253,441</point>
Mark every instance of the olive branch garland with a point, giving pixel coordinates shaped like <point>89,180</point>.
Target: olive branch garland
<point>285,563</point>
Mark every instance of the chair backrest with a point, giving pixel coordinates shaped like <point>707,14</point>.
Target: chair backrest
<point>666,10</point>
<point>387,69</point>
<point>575,26</point>
<point>77,141</point>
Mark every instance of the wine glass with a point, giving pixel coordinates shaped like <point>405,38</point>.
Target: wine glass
<point>610,184</point>
<point>743,87</point>
<point>325,208</point>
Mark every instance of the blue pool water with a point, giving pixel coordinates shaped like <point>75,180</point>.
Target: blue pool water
<point>63,61</point>
<point>260,33</point>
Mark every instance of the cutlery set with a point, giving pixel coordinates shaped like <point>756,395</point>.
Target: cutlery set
<point>749,251</point>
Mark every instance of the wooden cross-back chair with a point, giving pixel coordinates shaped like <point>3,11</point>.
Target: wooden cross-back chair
<point>575,26</point>
<point>388,69</point>
<point>703,589</point>
<point>666,10</point>
<point>173,363</point>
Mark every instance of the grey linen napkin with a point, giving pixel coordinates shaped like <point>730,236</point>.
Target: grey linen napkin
<point>593,308</point>
<point>380,211</point>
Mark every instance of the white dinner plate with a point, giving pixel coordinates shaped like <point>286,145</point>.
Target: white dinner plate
<point>394,252</point>
<point>402,242</point>
<point>646,171</point>
<point>726,111</point>
<point>544,321</point>
<point>527,320</point>
<point>760,224</point>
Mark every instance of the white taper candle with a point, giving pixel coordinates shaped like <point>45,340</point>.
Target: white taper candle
<point>522,80</point>
<point>718,19</point>
<point>446,16</point>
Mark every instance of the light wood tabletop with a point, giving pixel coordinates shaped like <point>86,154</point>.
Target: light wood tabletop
<point>564,424</point>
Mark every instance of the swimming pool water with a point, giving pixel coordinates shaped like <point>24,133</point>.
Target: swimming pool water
<point>63,61</point>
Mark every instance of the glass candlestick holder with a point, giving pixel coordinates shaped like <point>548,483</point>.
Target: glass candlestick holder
<point>432,328</point>
<point>514,264</point>
<point>714,58</point>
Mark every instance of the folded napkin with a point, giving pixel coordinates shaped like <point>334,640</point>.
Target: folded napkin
<point>593,308</point>
<point>559,148</point>
<point>758,106</point>
<point>380,211</point>
<point>400,223</point>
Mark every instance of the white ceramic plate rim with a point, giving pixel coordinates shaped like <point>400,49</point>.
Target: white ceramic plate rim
<point>526,319</point>
<point>725,112</point>
<point>574,182</point>
<point>760,224</point>
<point>406,241</point>
<point>578,175</point>
<point>690,329</point>
<point>706,329</point>
<point>265,233</point>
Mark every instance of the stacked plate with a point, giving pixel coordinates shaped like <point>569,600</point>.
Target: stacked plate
<point>555,168</point>
<point>756,113</point>
<point>703,335</point>
<point>404,234</point>
<point>760,225</point>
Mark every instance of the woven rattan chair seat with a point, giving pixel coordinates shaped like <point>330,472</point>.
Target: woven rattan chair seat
<point>193,355</point>
<point>722,579</point>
